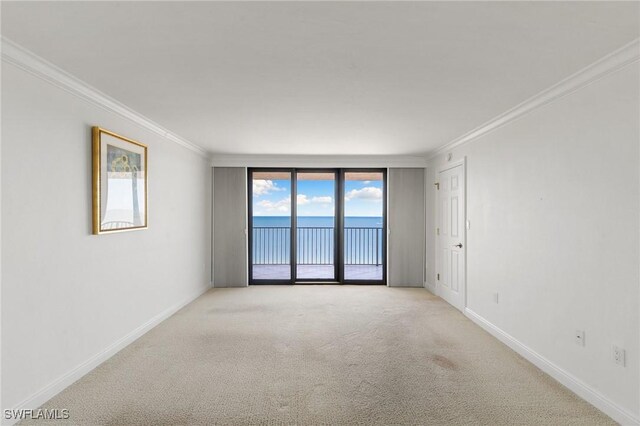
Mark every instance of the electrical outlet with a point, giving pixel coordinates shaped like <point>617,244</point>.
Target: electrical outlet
<point>496,297</point>
<point>618,355</point>
<point>579,337</point>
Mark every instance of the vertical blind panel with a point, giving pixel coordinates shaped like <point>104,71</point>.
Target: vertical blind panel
<point>407,227</point>
<point>229,224</point>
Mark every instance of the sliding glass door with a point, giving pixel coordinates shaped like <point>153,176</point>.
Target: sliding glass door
<point>364,227</point>
<point>270,221</point>
<point>317,226</point>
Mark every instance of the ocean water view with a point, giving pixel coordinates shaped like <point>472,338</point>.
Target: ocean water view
<point>318,221</point>
<point>363,240</point>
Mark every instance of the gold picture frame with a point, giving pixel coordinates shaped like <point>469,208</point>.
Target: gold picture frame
<point>120,173</point>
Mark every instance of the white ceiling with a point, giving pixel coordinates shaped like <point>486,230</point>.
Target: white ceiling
<point>321,77</point>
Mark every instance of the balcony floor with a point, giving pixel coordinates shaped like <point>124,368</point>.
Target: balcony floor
<point>305,272</point>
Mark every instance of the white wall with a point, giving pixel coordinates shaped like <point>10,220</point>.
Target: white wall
<point>553,201</point>
<point>69,296</point>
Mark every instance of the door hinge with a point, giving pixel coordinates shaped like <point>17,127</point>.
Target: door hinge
<point>438,277</point>
<point>437,184</point>
<point>437,231</point>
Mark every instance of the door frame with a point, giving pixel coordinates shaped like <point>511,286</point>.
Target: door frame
<point>442,168</point>
<point>339,223</point>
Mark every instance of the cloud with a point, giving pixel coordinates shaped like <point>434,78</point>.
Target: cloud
<point>322,200</point>
<point>303,199</point>
<point>263,187</point>
<point>366,182</point>
<point>368,193</point>
<point>282,206</point>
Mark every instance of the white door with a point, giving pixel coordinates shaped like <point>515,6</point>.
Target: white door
<point>450,234</point>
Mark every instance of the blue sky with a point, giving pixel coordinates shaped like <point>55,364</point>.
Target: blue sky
<point>316,198</point>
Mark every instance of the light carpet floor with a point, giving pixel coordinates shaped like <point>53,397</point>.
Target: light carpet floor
<point>320,355</point>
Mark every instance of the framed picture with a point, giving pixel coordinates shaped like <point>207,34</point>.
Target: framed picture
<point>119,183</point>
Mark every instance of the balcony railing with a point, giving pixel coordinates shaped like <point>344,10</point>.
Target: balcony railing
<point>315,246</point>
<point>362,246</point>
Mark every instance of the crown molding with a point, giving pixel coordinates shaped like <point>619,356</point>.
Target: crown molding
<point>615,61</point>
<point>14,54</point>
<point>317,161</point>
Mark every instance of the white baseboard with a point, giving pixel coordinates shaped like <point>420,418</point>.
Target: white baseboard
<point>61,383</point>
<point>610,408</point>
<point>430,287</point>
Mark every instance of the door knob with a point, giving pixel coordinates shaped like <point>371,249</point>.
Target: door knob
<point>459,245</point>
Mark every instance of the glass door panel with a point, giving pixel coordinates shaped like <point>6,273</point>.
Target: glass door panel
<point>270,244</point>
<point>316,225</point>
<point>364,229</point>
